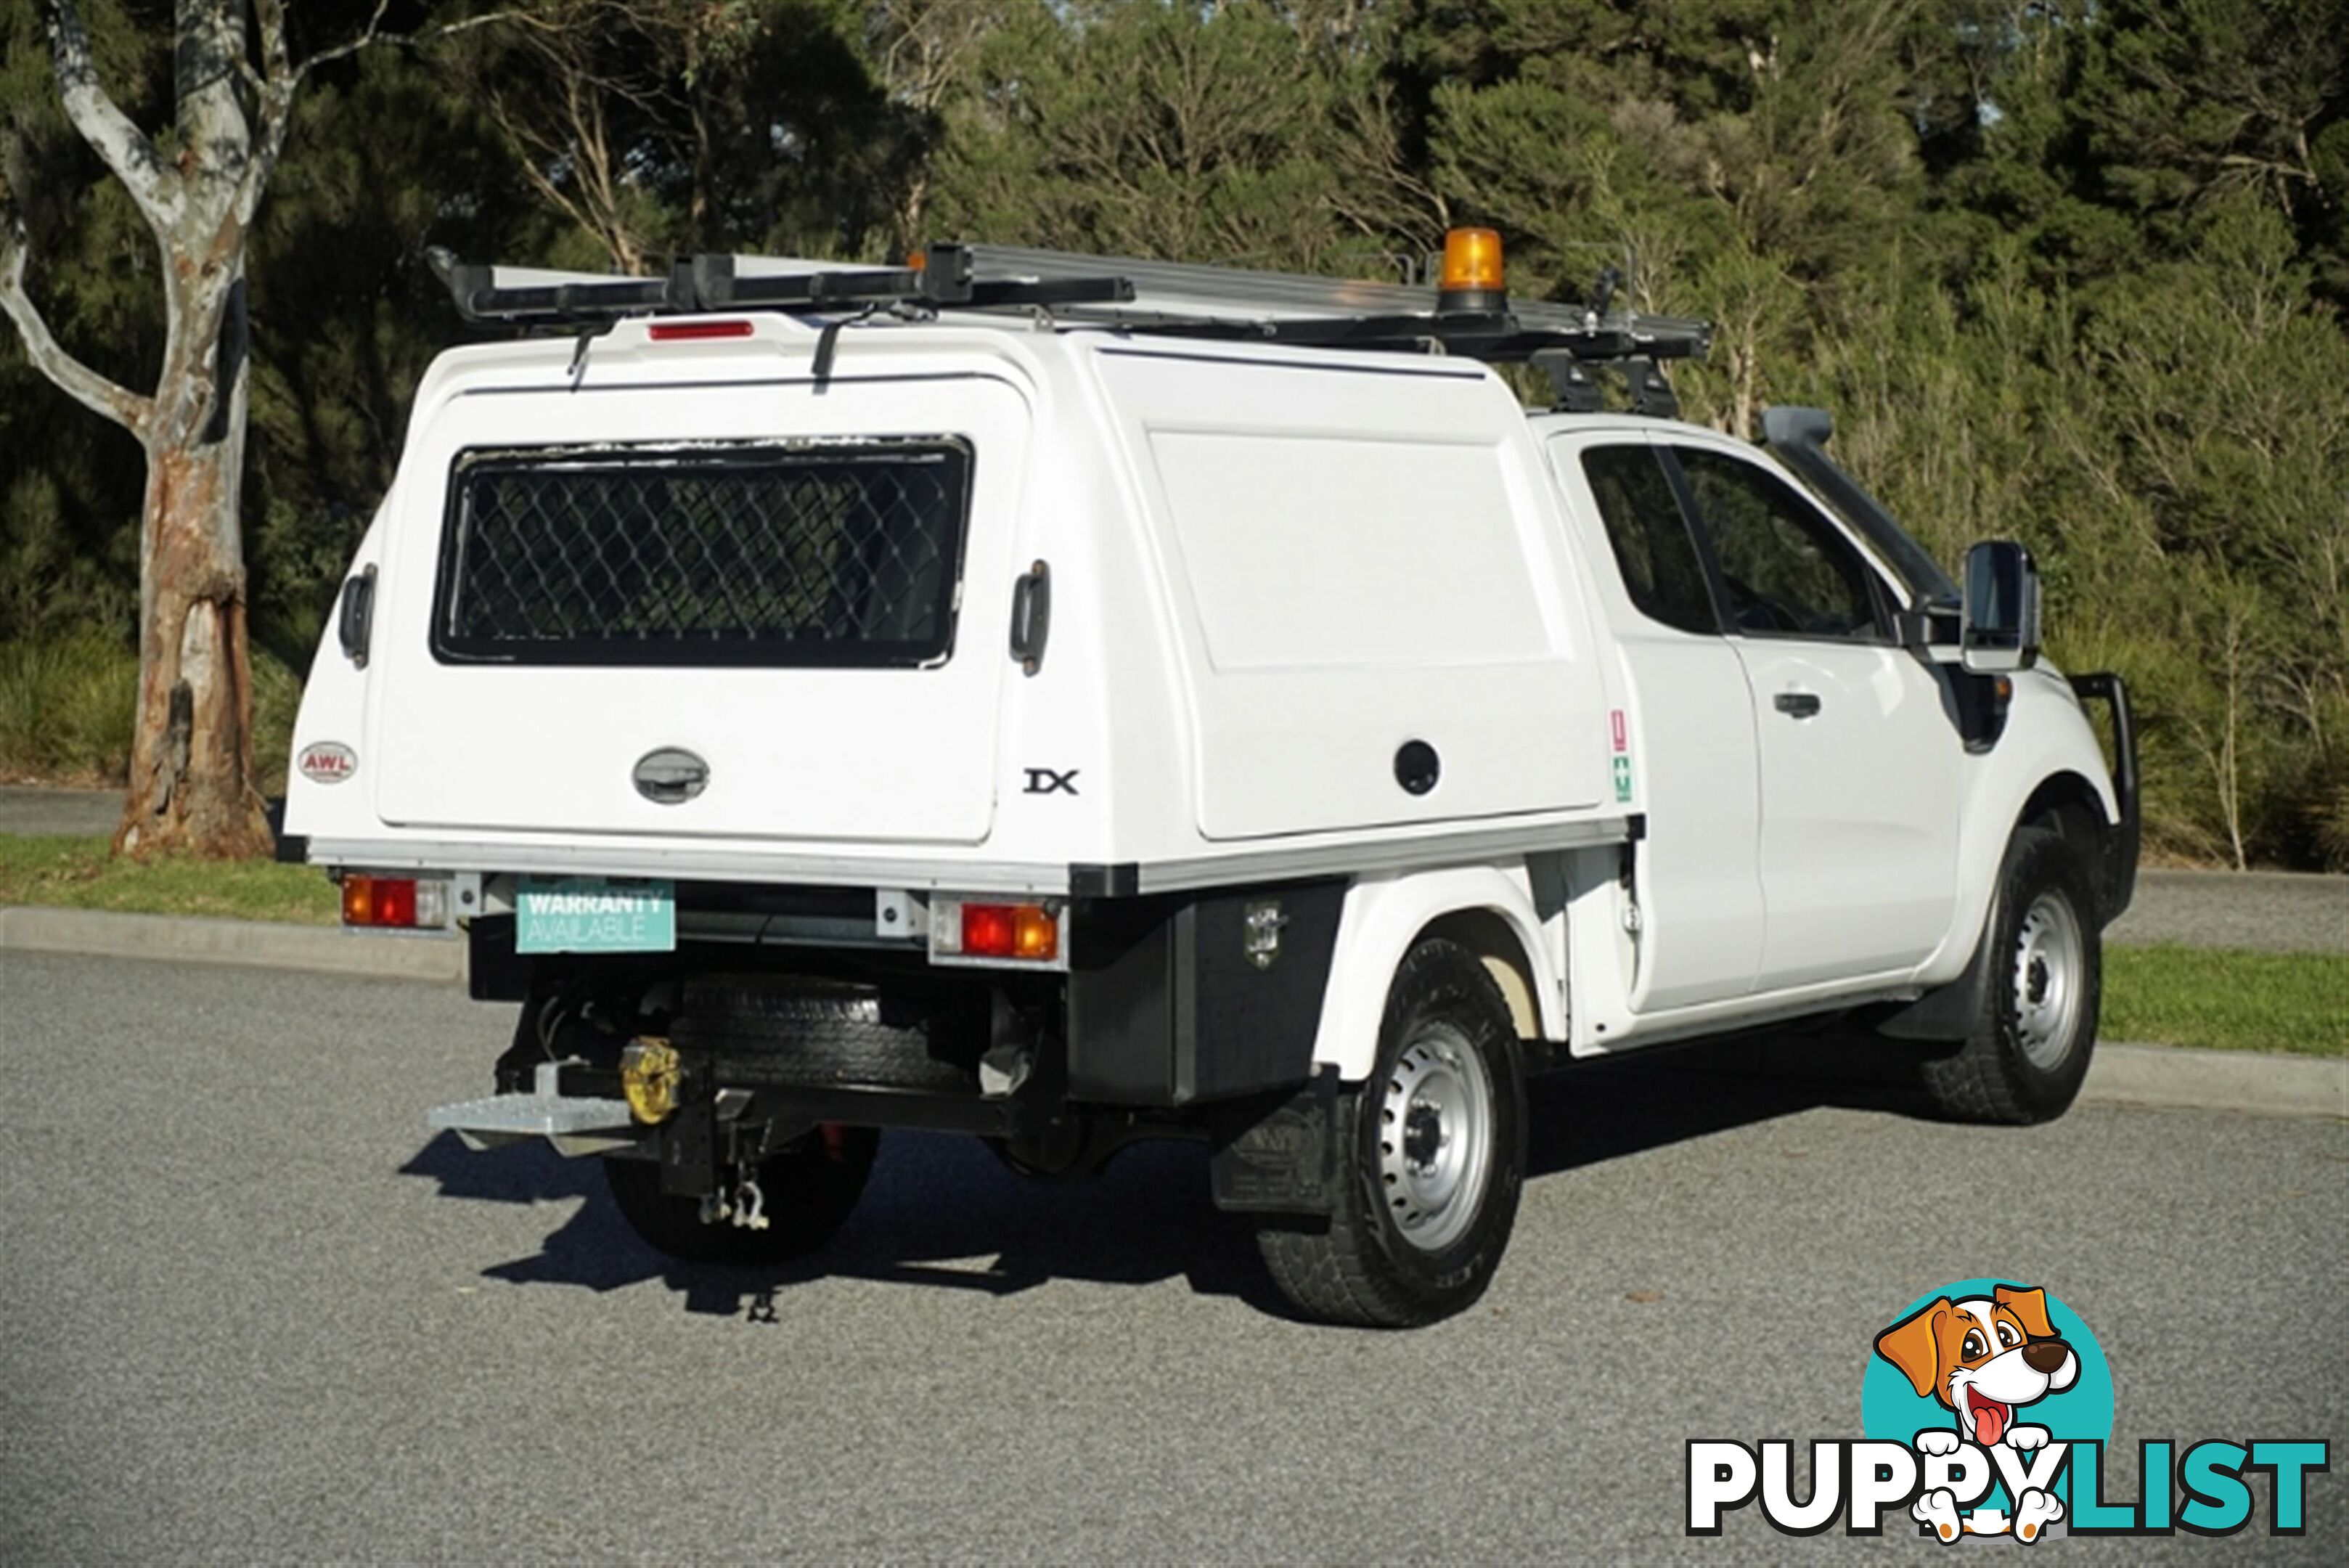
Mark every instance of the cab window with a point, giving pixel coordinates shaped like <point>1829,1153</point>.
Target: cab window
<point>1650,536</point>
<point>1787,570</point>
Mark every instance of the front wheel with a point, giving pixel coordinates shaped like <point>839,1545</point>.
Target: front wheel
<point>810,1186</point>
<point>1437,1135</point>
<point>2029,1050</point>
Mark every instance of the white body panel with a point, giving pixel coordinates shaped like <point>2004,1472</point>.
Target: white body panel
<point>1359,558</point>
<point>1860,809</point>
<point>2047,737</point>
<point>1384,918</point>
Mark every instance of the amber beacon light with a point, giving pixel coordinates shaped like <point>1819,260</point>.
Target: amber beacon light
<point>1470,279</point>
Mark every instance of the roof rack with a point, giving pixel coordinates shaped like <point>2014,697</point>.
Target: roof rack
<point>1161,298</point>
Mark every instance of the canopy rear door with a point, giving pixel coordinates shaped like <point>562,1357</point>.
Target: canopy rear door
<point>733,611</point>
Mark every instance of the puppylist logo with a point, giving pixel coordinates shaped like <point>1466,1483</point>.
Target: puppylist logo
<point>1987,1408</point>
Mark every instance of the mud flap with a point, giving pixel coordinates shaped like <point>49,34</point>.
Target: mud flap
<point>2115,871</point>
<point>1285,1157</point>
<point>1948,1012</point>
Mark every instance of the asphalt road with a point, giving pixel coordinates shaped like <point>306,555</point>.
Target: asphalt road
<point>252,1310</point>
<point>2272,911</point>
<point>38,809</point>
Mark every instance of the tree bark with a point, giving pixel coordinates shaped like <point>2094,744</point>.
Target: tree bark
<point>191,783</point>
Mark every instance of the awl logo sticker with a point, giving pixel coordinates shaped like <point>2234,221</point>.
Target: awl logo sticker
<point>1988,1408</point>
<point>327,762</point>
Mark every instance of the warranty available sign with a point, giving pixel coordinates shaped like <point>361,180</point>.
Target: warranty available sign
<point>1987,1409</point>
<point>594,915</point>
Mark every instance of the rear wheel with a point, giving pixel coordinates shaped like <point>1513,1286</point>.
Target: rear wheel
<point>810,1186</point>
<point>1437,1138</point>
<point>2030,1048</point>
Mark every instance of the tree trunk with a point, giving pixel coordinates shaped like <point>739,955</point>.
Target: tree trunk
<point>192,783</point>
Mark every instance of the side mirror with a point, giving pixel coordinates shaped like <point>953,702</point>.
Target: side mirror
<point>2001,618</point>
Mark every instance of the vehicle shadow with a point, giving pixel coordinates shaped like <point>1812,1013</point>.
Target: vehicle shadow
<point>943,1212</point>
<point>1600,1110</point>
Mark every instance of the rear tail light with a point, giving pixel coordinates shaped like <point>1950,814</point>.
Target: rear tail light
<point>967,932</point>
<point>406,903</point>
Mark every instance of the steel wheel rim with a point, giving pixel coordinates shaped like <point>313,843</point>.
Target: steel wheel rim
<point>1435,1136</point>
<point>2050,971</point>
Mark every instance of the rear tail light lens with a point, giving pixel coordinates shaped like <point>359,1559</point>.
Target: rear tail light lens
<point>409,903</point>
<point>1020,933</point>
<point>988,929</point>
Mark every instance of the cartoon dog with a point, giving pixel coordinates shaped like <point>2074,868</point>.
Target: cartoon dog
<point>1982,1357</point>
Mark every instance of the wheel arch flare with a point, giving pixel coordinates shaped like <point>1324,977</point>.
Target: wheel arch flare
<point>1488,909</point>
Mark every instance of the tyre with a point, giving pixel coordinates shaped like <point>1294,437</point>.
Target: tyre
<point>2030,1048</point>
<point>832,1033</point>
<point>1436,1137</point>
<point>810,1186</point>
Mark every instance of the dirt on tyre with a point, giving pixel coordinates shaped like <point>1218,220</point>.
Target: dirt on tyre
<point>810,1186</point>
<point>2030,1047</point>
<point>1436,1138</point>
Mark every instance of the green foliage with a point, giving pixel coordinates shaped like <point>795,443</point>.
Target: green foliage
<point>66,706</point>
<point>70,484</point>
<point>2069,273</point>
<point>2227,1000</point>
<point>1234,132</point>
<point>65,709</point>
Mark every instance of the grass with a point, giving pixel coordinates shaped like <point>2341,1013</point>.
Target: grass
<point>2225,1000</point>
<point>66,712</point>
<point>78,874</point>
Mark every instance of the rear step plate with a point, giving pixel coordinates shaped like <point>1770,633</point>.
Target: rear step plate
<point>573,1125</point>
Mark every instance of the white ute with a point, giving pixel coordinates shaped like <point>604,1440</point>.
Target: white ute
<point>1070,700</point>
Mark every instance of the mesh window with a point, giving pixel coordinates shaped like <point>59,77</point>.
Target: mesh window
<point>847,554</point>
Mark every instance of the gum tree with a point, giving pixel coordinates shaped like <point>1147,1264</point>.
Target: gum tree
<point>198,186</point>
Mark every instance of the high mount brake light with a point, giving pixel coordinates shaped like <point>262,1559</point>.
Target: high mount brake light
<point>399,903</point>
<point>696,331</point>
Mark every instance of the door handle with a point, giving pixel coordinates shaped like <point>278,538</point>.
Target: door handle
<point>1801,704</point>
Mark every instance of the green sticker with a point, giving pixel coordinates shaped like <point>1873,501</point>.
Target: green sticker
<point>592,915</point>
<point>1623,778</point>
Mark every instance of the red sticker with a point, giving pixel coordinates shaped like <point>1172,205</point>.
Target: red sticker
<point>1622,741</point>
